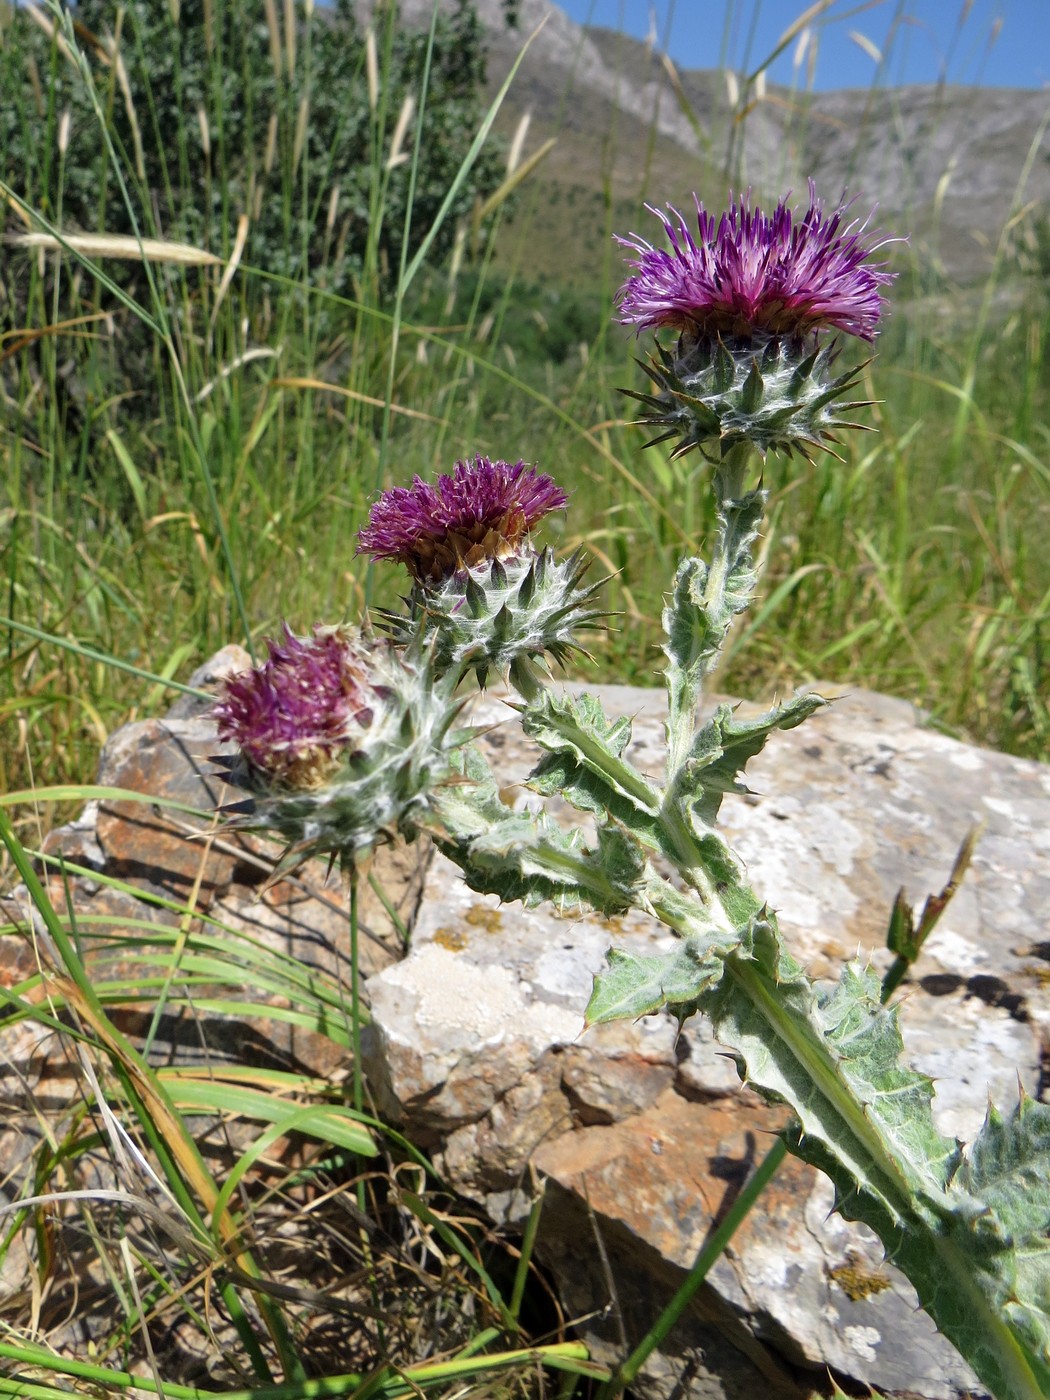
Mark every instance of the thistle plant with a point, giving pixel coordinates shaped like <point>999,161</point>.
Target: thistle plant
<point>751,298</point>
<point>341,740</point>
<point>755,303</point>
<point>480,590</point>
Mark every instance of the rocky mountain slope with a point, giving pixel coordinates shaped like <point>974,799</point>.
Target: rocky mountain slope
<point>949,166</point>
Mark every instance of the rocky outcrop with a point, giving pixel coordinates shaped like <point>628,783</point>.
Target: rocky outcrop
<point>638,1133</point>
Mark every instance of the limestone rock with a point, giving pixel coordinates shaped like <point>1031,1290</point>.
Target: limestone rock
<point>644,1135</point>
<point>641,1133</point>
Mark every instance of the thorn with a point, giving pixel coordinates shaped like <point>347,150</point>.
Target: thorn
<point>830,451</point>
<point>682,448</point>
<point>654,442</point>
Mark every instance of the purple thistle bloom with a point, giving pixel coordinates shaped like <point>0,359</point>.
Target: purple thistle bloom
<point>752,273</point>
<point>293,715</point>
<point>483,510</point>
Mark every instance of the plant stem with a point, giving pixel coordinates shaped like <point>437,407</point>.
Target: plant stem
<point>712,1248</point>
<point>355,988</point>
<point>729,490</point>
<point>730,473</point>
<point>351,877</point>
<point>728,482</point>
<point>895,976</point>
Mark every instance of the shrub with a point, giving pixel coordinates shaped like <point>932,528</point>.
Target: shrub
<point>219,114</point>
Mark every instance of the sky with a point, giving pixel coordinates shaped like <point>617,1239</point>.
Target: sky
<point>994,43</point>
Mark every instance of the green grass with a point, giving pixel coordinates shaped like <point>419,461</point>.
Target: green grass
<point>186,464</point>
<point>911,567</point>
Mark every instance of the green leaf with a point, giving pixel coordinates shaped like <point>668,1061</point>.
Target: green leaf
<point>866,1122</point>
<point>634,986</point>
<point>1008,1169</point>
<point>129,469</point>
<point>900,933</point>
<point>589,747</point>
<point>621,858</point>
<point>94,792</point>
<point>906,935</point>
<point>1006,1175</point>
<point>866,1037</point>
<point>562,775</point>
<point>529,858</point>
<point>834,1058</point>
<point>722,749</point>
<point>329,1122</point>
<point>953,1272</point>
<point>526,856</point>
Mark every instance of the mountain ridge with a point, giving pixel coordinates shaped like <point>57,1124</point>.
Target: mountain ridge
<point>949,166</point>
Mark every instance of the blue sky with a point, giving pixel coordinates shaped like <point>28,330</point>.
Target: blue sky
<point>996,43</point>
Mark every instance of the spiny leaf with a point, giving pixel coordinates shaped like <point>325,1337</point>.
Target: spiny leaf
<point>590,747</point>
<point>634,986</point>
<point>562,775</point>
<point>1002,1192</point>
<point>526,856</point>
<point>722,749</point>
<point>1008,1169</point>
<point>556,718</point>
<point>697,618</point>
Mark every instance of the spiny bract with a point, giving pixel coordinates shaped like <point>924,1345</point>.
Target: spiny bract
<point>374,778</point>
<point>502,614</point>
<point>716,396</point>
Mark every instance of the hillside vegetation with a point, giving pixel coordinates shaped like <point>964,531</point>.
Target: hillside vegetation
<point>265,260</point>
<point>188,455</point>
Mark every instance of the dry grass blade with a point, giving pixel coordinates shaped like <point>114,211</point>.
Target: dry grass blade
<point>792,32</point>
<point>258,352</point>
<point>175,1226</point>
<point>230,269</point>
<point>511,183</point>
<point>27,336</point>
<point>117,245</point>
<point>274,34</point>
<point>38,17</point>
<point>301,382</point>
<point>517,144</point>
<point>112,47</point>
<point>398,155</point>
<point>290,23</point>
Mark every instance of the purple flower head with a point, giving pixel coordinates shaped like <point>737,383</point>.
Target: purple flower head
<point>294,714</point>
<point>753,273</point>
<point>483,510</point>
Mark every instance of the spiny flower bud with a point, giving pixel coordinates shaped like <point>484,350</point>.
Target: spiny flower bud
<point>481,590</point>
<point>718,394</point>
<point>750,298</point>
<point>294,715</point>
<point>503,614</point>
<point>341,739</point>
